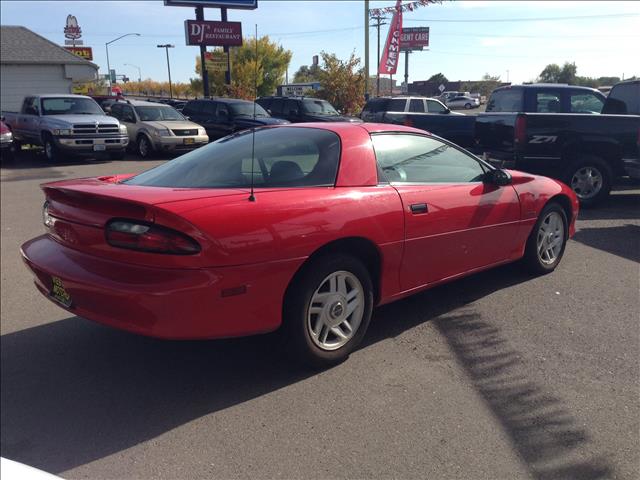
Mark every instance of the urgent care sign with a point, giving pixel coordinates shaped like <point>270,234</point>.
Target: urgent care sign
<point>414,38</point>
<point>218,34</point>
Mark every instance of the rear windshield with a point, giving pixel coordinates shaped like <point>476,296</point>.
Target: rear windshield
<point>507,100</point>
<point>623,99</point>
<point>284,157</point>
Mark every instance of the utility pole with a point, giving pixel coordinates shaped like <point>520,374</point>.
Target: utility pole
<point>203,50</point>
<point>227,74</point>
<point>378,24</point>
<point>406,70</point>
<point>366,49</point>
<point>166,47</point>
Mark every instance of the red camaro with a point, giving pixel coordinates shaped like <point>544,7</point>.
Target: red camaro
<point>343,217</point>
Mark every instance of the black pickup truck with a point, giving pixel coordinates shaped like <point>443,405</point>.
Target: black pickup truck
<point>588,152</point>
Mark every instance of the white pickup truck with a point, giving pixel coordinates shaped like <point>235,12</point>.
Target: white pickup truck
<point>67,124</point>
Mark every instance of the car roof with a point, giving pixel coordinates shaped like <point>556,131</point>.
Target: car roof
<point>540,85</point>
<point>221,100</point>
<point>59,95</point>
<point>140,103</point>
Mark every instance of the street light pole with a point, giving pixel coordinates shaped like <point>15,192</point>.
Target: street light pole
<point>166,47</point>
<point>106,46</point>
<point>139,71</point>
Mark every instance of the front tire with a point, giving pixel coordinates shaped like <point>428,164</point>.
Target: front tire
<point>467,106</point>
<point>327,310</point>
<point>547,241</point>
<point>50,149</point>
<point>144,147</point>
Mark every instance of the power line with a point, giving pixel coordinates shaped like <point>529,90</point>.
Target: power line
<point>530,19</point>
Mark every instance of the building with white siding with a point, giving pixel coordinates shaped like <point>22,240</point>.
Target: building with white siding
<point>31,64</point>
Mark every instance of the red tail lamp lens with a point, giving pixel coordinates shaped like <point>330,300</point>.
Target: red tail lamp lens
<point>149,238</point>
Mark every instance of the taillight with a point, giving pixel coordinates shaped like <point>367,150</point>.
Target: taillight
<point>146,237</point>
<point>520,133</point>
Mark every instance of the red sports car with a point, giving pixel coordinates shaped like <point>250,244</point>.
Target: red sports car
<point>305,227</point>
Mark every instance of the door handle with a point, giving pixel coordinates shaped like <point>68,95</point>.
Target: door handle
<point>418,208</point>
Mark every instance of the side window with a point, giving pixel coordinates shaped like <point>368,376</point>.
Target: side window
<point>624,98</point>
<point>223,112</point>
<point>416,105</point>
<point>189,108</point>
<point>116,111</point>
<point>31,106</point>
<point>420,159</point>
<point>585,102</point>
<point>548,102</point>
<point>505,100</point>
<point>290,105</point>
<point>208,109</point>
<point>277,106</point>
<point>435,107</point>
<point>397,105</point>
<point>127,114</point>
<point>264,103</point>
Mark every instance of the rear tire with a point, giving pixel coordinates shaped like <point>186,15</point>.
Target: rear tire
<point>547,241</point>
<point>590,178</point>
<point>327,310</point>
<point>467,106</point>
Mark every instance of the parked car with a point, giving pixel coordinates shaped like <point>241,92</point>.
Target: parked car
<point>427,114</point>
<point>377,108</point>
<point>67,124</point>
<point>463,102</point>
<point>224,116</point>
<point>330,220</point>
<point>303,109</point>
<point>6,142</point>
<point>105,101</point>
<point>154,127</point>
<point>623,99</point>
<point>546,98</point>
<point>588,152</point>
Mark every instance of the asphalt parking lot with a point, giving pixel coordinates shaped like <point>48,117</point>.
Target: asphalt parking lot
<point>496,376</point>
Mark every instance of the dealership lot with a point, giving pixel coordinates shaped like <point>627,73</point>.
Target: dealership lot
<point>496,376</point>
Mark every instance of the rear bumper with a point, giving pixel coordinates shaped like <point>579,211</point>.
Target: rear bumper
<point>163,302</point>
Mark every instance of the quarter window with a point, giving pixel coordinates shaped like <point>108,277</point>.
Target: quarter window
<point>585,103</point>
<point>397,105</point>
<point>435,107</point>
<point>409,159</point>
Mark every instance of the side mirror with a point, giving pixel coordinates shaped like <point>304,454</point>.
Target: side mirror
<point>187,117</point>
<point>269,111</point>
<point>497,177</point>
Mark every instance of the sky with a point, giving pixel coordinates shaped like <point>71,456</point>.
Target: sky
<point>514,40</point>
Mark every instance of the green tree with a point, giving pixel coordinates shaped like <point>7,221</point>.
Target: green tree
<point>438,78</point>
<point>550,74</point>
<point>490,78</point>
<point>272,63</point>
<point>568,73</point>
<point>342,83</point>
<point>306,74</point>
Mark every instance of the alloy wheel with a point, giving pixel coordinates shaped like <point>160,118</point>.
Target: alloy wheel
<point>550,238</point>
<point>587,182</point>
<point>336,310</point>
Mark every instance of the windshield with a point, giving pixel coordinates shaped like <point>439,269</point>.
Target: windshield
<point>284,157</point>
<point>154,113</point>
<point>70,106</point>
<point>246,109</point>
<point>319,107</point>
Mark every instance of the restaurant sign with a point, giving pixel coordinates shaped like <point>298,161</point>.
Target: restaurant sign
<point>218,34</point>
<point>82,52</point>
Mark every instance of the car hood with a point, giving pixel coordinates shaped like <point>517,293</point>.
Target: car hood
<point>250,121</point>
<point>71,119</point>
<point>172,125</point>
<point>332,118</point>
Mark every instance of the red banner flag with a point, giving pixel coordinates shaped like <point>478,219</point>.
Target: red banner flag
<point>389,61</point>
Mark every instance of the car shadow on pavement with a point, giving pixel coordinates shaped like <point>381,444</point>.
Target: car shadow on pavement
<point>74,392</point>
<point>34,158</point>
<point>623,241</point>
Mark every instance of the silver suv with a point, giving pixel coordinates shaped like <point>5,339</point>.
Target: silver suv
<point>154,127</point>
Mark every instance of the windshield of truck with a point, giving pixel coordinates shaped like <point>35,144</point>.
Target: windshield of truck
<point>319,107</point>
<point>154,113</point>
<point>246,109</point>
<point>70,106</point>
<point>507,100</point>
